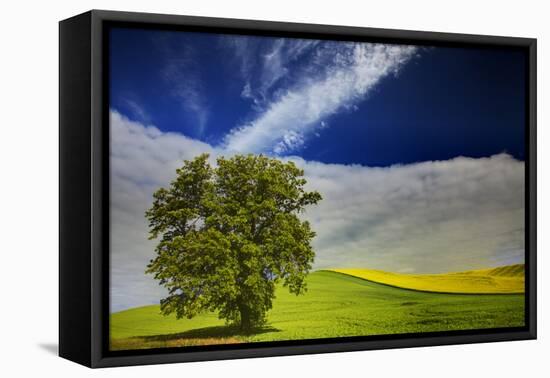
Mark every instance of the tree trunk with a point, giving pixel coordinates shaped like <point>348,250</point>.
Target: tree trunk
<point>245,318</point>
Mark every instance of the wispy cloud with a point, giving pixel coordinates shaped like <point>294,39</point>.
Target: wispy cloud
<point>338,77</point>
<point>182,72</point>
<point>276,63</point>
<point>433,216</point>
<point>264,63</point>
<point>136,110</point>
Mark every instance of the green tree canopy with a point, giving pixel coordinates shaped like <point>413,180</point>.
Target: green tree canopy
<point>228,234</point>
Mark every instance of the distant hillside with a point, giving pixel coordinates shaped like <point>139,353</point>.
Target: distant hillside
<point>509,279</point>
<point>516,270</point>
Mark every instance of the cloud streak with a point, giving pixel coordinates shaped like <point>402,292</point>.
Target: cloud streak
<point>339,76</point>
<point>427,217</point>
<point>182,73</point>
<point>264,63</point>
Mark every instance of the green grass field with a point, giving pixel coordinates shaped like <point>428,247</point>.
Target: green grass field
<point>336,305</point>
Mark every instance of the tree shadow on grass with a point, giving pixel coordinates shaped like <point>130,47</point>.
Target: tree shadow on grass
<point>216,332</point>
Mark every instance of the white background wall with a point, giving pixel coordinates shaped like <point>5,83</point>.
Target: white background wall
<point>29,189</point>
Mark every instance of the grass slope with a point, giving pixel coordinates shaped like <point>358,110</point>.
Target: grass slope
<point>335,305</point>
<point>502,280</point>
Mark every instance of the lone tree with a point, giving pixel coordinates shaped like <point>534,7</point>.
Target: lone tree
<point>228,234</point>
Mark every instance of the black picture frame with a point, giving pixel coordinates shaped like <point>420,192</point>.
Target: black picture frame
<point>84,195</point>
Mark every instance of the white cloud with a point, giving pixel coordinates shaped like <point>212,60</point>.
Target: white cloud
<point>437,216</point>
<point>340,75</point>
<point>142,159</point>
<point>427,217</point>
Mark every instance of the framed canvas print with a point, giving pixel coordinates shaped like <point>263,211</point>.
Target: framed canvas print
<point>233,188</point>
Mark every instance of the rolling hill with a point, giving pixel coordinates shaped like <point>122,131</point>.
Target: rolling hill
<point>335,305</point>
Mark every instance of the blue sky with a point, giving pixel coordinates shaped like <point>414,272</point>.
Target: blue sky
<point>417,151</point>
<point>441,103</point>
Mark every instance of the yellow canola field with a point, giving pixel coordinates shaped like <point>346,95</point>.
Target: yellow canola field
<point>508,279</point>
